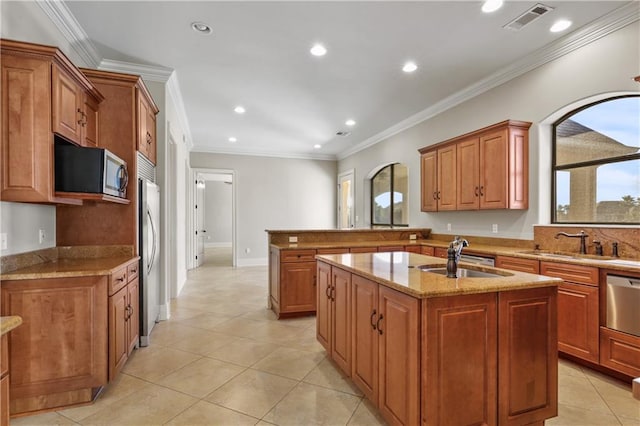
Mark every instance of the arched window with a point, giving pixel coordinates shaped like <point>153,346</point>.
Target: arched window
<point>389,196</point>
<point>596,163</point>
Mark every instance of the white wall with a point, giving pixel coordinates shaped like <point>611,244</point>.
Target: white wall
<point>275,193</point>
<point>605,66</point>
<point>25,21</point>
<point>217,213</point>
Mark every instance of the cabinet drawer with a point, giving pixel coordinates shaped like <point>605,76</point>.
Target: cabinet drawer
<point>117,280</point>
<point>427,250</point>
<point>573,273</point>
<point>333,251</point>
<point>620,351</point>
<point>363,249</point>
<point>132,271</point>
<point>440,252</point>
<point>518,264</point>
<point>4,355</point>
<point>297,255</point>
<point>390,248</point>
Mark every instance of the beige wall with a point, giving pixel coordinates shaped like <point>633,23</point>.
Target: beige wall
<point>604,66</point>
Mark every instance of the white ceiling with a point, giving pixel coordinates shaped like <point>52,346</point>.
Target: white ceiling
<point>258,57</point>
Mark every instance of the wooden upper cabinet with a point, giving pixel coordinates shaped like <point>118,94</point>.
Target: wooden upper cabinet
<point>146,115</point>
<point>429,179</point>
<point>42,94</point>
<point>484,169</point>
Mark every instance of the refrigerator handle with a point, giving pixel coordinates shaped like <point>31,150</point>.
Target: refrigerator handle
<point>155,242</point>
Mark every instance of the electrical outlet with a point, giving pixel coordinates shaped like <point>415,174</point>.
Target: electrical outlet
<point>357,218</point>
<point>247,250</point>
<point>413,236</point>
<point>293,239</point>
<point>448,227</point>
<point>41,236</point>
<point>494,228</point>
<point>3,241</point>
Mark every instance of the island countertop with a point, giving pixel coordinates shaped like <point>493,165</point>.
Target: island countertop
<point>399,270</point>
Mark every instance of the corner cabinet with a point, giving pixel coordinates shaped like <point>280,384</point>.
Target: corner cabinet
<point>485,169</point>
<point>42,94</point>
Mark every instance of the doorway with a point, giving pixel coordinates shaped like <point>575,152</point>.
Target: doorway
<point>346,208</point>
<point>213,236</point>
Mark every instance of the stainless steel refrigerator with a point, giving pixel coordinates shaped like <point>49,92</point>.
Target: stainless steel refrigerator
<point>149,251</point>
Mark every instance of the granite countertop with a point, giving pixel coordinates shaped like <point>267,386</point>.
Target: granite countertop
<point>616,264</point>
<point>399,271</point>
<point>9,323</point>
<point>73,267</point>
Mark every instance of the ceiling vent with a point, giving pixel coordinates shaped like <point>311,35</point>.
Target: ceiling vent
<point>528,17</point>
<point>342,133</point>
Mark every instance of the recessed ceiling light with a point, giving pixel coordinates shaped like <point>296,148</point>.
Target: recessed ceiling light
<point>240,109</point>
<point>491,5</point>
<point>317,146</point>
<point>350,122</point>
<point>560,25</point>
<point>201,27</point>
<point>318,50</point>
<point>409,67</point>
<point>233,140</point>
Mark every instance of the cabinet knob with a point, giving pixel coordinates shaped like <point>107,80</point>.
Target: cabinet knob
<point>477,191</point>
<point>481,189</point>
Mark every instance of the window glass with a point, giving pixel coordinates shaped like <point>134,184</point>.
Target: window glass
<point>597,163</point>
<point>389,200</point>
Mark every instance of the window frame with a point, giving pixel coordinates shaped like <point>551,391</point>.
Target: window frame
<point>555,168</point>
<point>371,204</point>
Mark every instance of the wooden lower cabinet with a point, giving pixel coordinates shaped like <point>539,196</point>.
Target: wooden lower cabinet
<point>58,356</point>
<point>4,380</point>
<point>620,351</point>
<point>124,319</point>
<point>292,281</point>
<point>333,316</point>
<point>518,264</point>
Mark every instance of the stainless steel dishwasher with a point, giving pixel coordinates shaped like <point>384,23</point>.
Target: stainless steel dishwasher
<point>623,304</point>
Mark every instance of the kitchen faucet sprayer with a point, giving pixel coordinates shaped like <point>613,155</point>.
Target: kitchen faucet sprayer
<point>453,255</point>
<point>581,235</point>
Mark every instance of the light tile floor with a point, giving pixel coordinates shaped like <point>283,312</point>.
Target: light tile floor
<point>223,359</point>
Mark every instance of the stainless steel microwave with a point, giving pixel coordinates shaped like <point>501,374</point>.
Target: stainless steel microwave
<point>92,170</point>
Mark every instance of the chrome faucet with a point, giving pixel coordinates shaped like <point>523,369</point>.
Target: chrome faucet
<point>453,255</point>
<point>581,235</point>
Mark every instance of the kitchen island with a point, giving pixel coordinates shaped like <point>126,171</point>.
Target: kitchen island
<point>427,349</point>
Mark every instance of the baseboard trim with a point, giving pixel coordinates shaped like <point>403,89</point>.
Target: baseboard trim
<point>215,245</point>
<point>255,261</point>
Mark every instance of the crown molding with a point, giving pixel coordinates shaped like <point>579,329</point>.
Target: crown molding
<point>63,19</point>
<point>256,153</point>
<point>585,35</point>
<point>173,89</point>
<point>147,72</point>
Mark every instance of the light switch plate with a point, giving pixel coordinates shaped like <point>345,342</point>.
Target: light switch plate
<point>412,236</point>
<point>448,227</point>
<point>494,228</point>
<point>3,241</point>
<point>293,239</point>
<point>41,236</point>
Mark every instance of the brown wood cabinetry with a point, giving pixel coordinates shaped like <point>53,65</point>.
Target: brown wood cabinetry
<point>385,349</point>
<point>124,316</point>
<point>333,317</point>
<point>620,351</point>
<point>413,249</point>
<point>4,380</point>
<point>58,357</point>
<point>485,169</point>
<point>363,249</point>
<point>578,309</point>
<point>146,117</point>
<point>118,128</point>
<point>518,264</point>
<point>427,250</point>
<point>293,281</point>
<point>42,93</point>
<point>440,252</point>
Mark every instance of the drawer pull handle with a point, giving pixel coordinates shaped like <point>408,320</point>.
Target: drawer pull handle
<point>120,279</point>
<point>378,324</point>
<point>133,271</point>
<point>373,324</point>
<point>327,292</point>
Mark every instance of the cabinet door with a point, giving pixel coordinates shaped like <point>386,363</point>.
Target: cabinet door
<point>427,250</point>
<point>440,252</point>
<point>27,145</point>
<point>461,361</point>
<point>133,320</point>
<point>494,166</point>
<point>90,127</point>
<point>323,311</point>
<point>4,401</point>
<point>151,138</point>
<point>118,342</point>
<point>341,319</point>
<point>298,287</point>
<point>398,357</point>
<point>274,279</point>
<point>67,106</point>
<point>143,133</point>
<point>528,369</point>
<point>62,316</point>
<point>447,178</point>
<point>429,180</point>
<point>364,353</point>
<point>578,324</point>
<point>468,174</point>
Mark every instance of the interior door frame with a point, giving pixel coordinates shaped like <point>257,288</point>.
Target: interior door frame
<point>341,177</point>
<point>192,216</point>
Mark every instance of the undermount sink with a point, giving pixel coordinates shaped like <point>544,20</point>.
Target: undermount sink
<point>465,272</point>
<point>554,255</point>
